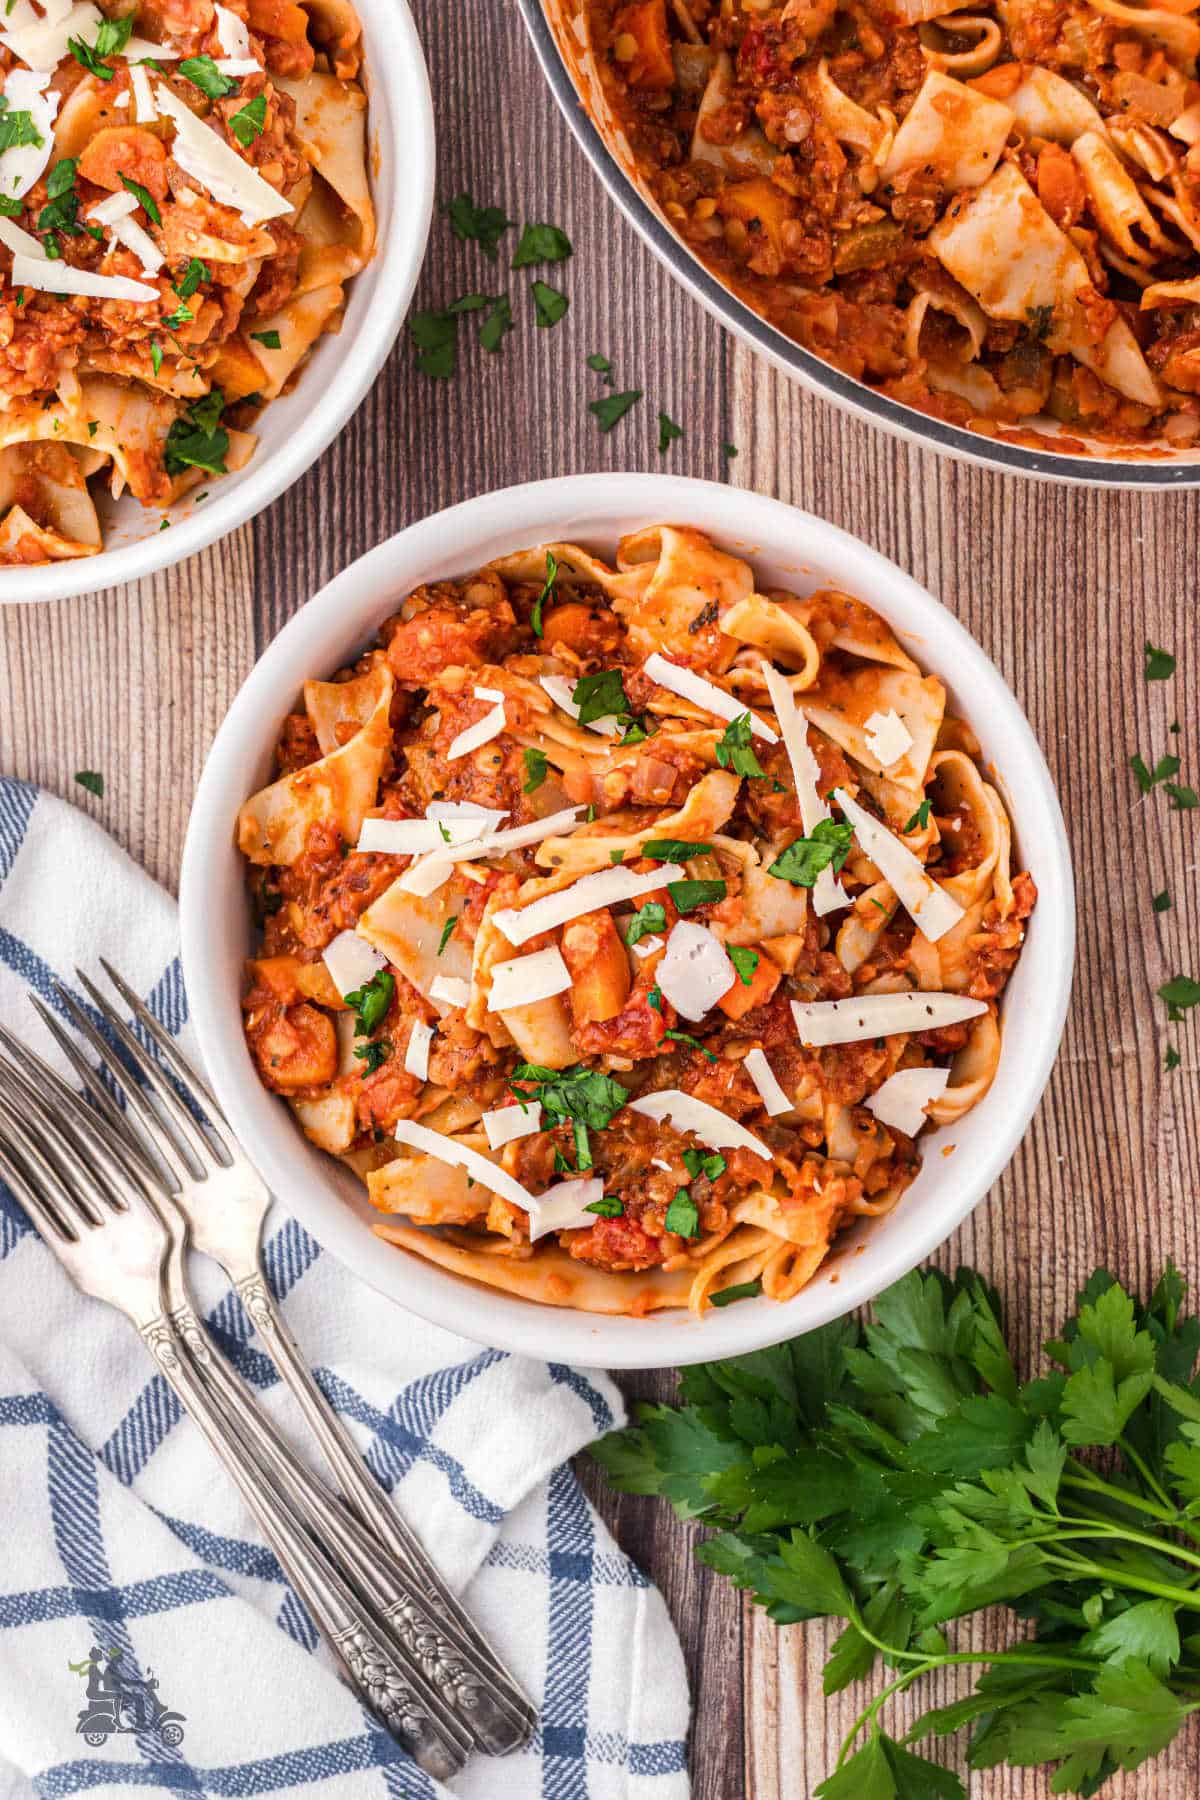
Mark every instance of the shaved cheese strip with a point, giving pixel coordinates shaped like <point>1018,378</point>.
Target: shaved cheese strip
<point>695,971</point>
<point>902,1099</point>
<point>58,277</point>
<point>888,737</point>
<point>605,888</point>
<point>122,99</point>
<point>232,34</point>
<point>828,894</point>
<point>147,112</point>
<point>488,816</point>
<point>475,736</point>
<point>933,910</point>
<point>822,1022</point>
<point>132,235</point>
<point>648,945</point>
<point>44,45</point>
<point>23,164</point>
<point>686,1113</point>
<point>562,1207</point>
<point>351,961</point>
<point>239,65</point>
<point>448,1150</point>
<point>690,686</point>
<point>763,1076</point>
<point>405,837</point>
<point>488,694</point>
<point>117,206</point>
<point>508,1123</point>
<point>218,168</point>
<point>427,876</point>
<point>526,979</point>
<point>560,691</point>
<point>416,1057</point>
<point>450,990</point>
<point>140,49</point>
<point>21,243</point>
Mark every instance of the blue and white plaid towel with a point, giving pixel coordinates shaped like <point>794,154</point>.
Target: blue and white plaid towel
<point>118,1530</point>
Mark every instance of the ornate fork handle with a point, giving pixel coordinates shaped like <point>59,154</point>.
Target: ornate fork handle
<point>477,1683</point>
<point>364,1652</point>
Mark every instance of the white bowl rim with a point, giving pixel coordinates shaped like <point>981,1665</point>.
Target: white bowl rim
<point>401,75</point>
<point>442,543</point>
<point>819,377</point>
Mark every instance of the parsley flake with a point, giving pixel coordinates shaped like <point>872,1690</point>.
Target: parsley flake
<point>734,752</point>
<point>647,920</point>
<point>744,961</point>
<point>608,1207</point>
<point>683,1215</point>
<point>826,847</point>
<point>447,933</point>
<point>535,617</point>
<point>497,325</point>
<point>611,408</point>
<point>549,304</point>
<point>92,780</point>
<point>483,225</point>
<point>740,1290</point>
<point>668,431</point>
<point>535,770</point>
<point>920,818</point>
<point>688,895</point>
<point>675,850</point>
<point>370,1002</point>
<point>541,243</point>
<point>1160,664</point>
<point>203,73</point>
<point>248,123</point>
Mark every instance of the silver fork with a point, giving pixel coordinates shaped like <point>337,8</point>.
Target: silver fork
<point>225,1202</point>
<point>86,1200</point>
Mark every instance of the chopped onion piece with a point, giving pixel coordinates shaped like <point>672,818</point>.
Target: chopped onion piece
<point>686,1113</point>
<point>480,1168</point>
<point>450,990</point>
<point>695,971</point>
<point>690,686</point>
<point>560,691</point>
<point>864,1016</point>
<point>603,888</point>
<point>888,737</point>
<point>351,961</point>
<point>561,1208</point>
<point>902,1099</point>
<point>827,894</point>
<point>527,979</point>
<point>931,908</point>
<point>763,1076</point>
<point>508,1123</point>
<point>475,736</point>
<point>416,1057</point>
<point>427,876</point>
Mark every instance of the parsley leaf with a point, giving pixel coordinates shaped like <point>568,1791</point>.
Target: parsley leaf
<point>436,336</point>
<point>744,961</point>
<point>190,280</point>
<point>484,225</point>
<point>156,355</point>
<point>203,73</point>
<point>920,818</point>
<point>734,752</point>
<point>826,847</point>
<point>740,1290</point>
<point>673,849</point>
<point>1182,799</point>
<point>600,365</point>
<point>535,770</point>
<point>268,339</point>
<point>1162,902</point>
<point>196,440</point>
<point>693,1043</point>
<point>704,1162</point>
<point>683,1215</point>
<point>547,593</point>
<point>601,696</point>
<point>1150,778</point>
<point>688,895</point>
<point>608,1207</point>
<point>549,304</point>
<point>60,214</point>
<point>497,325</point>
<point>447,934</point>
<point>585,1097</point>
<point>668,431</point>
<point>647,920</point>
<point>148,204</point>
<point>611,408</point>
<point>248,123</point>
<point>92,780</point>
<point>370,1002</point>
<point>1180,994</point>
<point>374,1054</point>
<point>541,243</point>
<point>18,128</point>
<point>114,34</point>
<point>1160,664</point>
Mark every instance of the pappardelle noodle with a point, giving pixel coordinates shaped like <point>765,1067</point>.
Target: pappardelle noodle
<point>183,197</point>
<point>990,212</point>
<point>622,928</point>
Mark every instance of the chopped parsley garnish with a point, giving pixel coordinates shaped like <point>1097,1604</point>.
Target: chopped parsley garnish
<point>156,356</point>
<point>535,617</point>
<point>734,752</point>
<point>370,1002</point>
<point>654,999</point>
<point>483,225</point>
<point>92,780</point>
<point>645,922</point>
<point>1162,902</point>
<point>1181,993</point>
<point>447,933</point>
<point>268,339</point>
<point>203,73</point>
<point>920,818</point>
<point>61,212</point>
<point>584,1097</point>
<point>693,1043</point>
<point>111,39</point>
<point>611,408</point>
<point>729,451</point>
<point>741,1290</point>
<point>1160,664</point>
<point>549,304</point>
<point>828,846</point>
<point>497,325</point>
<point>608,1207</point>
<point>673,849</point>
<point>145,200</point>
<point>635,733</point>
<point>1182,799</point>
<point>1171,1060</point>
<point>1040,320</point>
<point>668,431</point>
<point>616,856</point>
<point>10,208</point>
<point>197,440</point>
<point>248,123</point>
<point>601,696</point>
<point>18,128</point>
<point>683,1215</point>
<point>470,303</point>
<point>436,336</point>
<point>535,770</point>
<point>704,1162</point>
<point>1150,778</point>
<point>600,365</point>
<point>541,243</point>
<point>372,1055</point>
<point>192,276</point>
<point>744,962</point>
<point>93,427</point>
<point>688,895</point>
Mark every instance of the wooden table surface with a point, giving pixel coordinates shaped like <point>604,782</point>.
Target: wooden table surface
<point>1061,586</point>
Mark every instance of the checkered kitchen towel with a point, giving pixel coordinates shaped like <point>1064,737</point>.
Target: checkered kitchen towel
<point>118,1530</point>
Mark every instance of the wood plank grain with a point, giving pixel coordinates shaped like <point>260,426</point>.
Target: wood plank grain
<point>1060,586</point>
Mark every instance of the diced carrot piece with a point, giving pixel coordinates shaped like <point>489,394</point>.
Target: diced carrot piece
<point>741,999</point>
<point>647,61</point>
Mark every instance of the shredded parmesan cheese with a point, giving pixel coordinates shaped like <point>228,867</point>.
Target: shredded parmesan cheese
<point>480,1168</point>
<point>527,979</point>
<point>232,34</point>
<point>932,909</point>
<point>508,1123</point>
<point>43,46</point>
<point>690,686</point>
<point>449,990</point>
<point>475,736</point>
<point>648,945</point>
<point>405,837</point>
<point>562,1207</point>
<point>218,168</point>
<point>488,694</point>
<point>427,876</point>
<point>351,961</point>
<point>695,971</point>
<point>902,1099</point>
<point>605,888</point>
<point>827,894</point>
<point>763,1076</point>
<point>416,1057</point>
<point>139,78</point>
<point>58,277</point>
<point>863,1016</point>
<point>20,242</point>
<point>888,737</point>
<point>686,1113</point>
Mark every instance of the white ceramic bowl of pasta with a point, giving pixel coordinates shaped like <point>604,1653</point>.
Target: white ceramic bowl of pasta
<point>294,429</point>
<point>786,549</point>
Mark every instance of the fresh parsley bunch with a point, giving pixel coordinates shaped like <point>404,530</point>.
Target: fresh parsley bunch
<point>900,1477</point>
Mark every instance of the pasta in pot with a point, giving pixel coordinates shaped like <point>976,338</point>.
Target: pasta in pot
<point>623,927</point>
<point>183,197</point>
<point>990,215</point>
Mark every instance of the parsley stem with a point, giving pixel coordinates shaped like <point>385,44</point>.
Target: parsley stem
<point>1084,1565</point>
<point>1131,1455</point>
<point>1099,1528</point>
<point>1078,1475</point>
